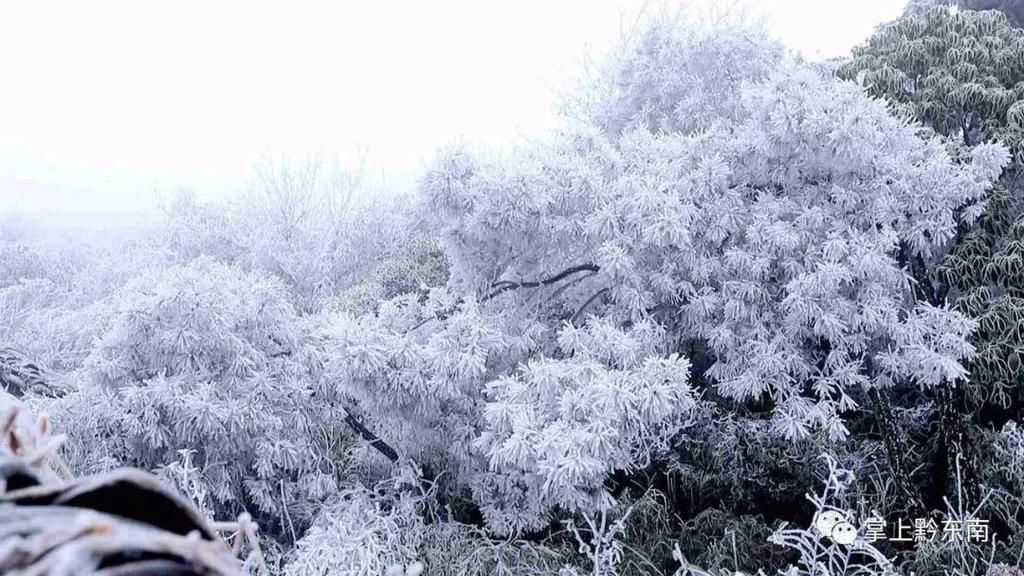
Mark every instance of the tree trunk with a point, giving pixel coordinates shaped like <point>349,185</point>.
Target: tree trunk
<point>897,450</point>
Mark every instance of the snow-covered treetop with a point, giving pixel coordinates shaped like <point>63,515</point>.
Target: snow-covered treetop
<point>776,227</point>
<point>709,202</point>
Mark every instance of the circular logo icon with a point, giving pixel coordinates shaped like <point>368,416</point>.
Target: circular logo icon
<point>844,533</point>
<point>825,521</point>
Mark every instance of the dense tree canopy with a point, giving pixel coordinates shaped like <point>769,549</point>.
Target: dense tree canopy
<point>208,360</point>
<point>958,72</point>
<point>962,74</point>
<point>728,279</point>
<point>1013,9</point>
<point>591,271</point>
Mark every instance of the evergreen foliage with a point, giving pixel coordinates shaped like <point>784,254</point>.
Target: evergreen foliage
<point>961,73</point>
<point>1013,9</point>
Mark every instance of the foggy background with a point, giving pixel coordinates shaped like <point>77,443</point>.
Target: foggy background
<point>107,105</point>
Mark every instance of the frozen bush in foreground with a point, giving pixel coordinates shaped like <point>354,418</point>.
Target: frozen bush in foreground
<point>206,358</point>
<point>359,533</point>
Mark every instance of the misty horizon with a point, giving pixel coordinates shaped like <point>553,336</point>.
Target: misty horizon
<point>115,105</point>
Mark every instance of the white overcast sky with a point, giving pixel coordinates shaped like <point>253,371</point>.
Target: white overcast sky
<point>102,103</point>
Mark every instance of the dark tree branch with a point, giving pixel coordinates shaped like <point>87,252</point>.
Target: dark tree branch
<point>923,287</point>
<point>567,285</point>
<point>364,432</point>
<point>503,284</point>
<point>579,311</point>
<point>934,294</point>
<point>506,285</point>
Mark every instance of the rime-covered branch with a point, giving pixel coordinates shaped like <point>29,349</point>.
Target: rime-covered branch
<point>506,285</point>
<point>375,441</point>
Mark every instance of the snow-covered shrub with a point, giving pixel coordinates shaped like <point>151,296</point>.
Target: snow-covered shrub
<point>423,388</point>
<point>359,533</point>
<point>206,358</point>
<point>58,334</point>
<point>373,532</point>
<point>193,228</point>
<point>821,554</point>
<point>729,460</point>
<point>416,266</point>
<point>20,261</point>
<point>671,76</point>
<point>19,300</point>
<point>454,549</point>
<point>54,309</point>
<point>557,429</point>
<point>720,542</point>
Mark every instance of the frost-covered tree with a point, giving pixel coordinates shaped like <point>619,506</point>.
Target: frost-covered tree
<point>54,293</point>
<point>969,85</point>
<point>1013,9</point>
<point>418,265</point>
<point>193,228</point>
<point>776,239</point>
<point>211,360</point>
<point>961,73</point>
<point>304,228</point>
<point>713,219</point>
